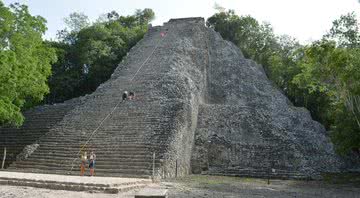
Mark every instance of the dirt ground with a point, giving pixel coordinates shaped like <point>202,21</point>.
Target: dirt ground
<point>211,187</point>
<point>231,187</point>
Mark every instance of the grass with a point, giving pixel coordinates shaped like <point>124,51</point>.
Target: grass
<point>342,178</point>
<point>207,181</point>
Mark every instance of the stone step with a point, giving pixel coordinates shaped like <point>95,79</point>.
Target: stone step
<point>152,192</point>
<point>113,157</point>
<point>72,183</point>
<point>106,141</point>
<point>110,162</point>
<point>26,132</point>
<point>100,137</point>
<point>124,131</point>
<point>110,123</point>
<point>77,142</point>
<point>99,165</point>
<point>86,135</point>
<point>28,127</point>
<point>67,169</point>
<point>51,115</point>
<point>114,162</point>
<point>121,130</point>
<point>118,130</point>
<point>96,147</point>
<point>23,134</point>
<point>72,187</point>
<point>129,146</point>
<point>98,152</point>
<point>128,130</point>
<point>102,140</point>
<point>77,147</point>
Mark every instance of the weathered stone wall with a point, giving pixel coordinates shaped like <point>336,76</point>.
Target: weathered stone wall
<point>246,124</point>
<point>188,60</point>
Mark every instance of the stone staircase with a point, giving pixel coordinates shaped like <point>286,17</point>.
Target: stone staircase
<point>73,183</point>
<point>126,141</point>
<point>38,123</point>
<point>121,143</point>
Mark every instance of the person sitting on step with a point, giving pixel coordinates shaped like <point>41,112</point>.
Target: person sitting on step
<point>125,95</point>
<point>131,95</point>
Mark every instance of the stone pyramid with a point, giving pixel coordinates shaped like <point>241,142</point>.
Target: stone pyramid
<point>200,107</point>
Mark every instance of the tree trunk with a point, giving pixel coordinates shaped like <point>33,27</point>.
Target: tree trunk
<point>4,158</point>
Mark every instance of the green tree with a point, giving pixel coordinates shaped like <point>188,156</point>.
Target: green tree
<point>256,40</point>
<point>335,72</point>
<point>24,61</point>
<point>76,21</point>
<point>88,57</point>
<point>66,75</point>
<point>144,16</point>
<point>345,31</point>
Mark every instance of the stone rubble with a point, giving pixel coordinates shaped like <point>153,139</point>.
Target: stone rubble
<point>27,151</point>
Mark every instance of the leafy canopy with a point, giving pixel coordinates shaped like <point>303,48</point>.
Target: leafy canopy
<point>25,61</point>
<point>89,53</point>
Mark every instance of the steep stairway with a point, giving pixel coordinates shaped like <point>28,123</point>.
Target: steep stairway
<point>38,123</point>
<point>121,143</point>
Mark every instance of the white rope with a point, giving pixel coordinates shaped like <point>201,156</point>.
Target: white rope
<point>101,123</point>
<point>72,164</point>
<point>146,60</point>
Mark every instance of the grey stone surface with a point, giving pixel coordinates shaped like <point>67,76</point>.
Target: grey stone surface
<point>38,123</point>
<point>152,192</point>
<point>246,125</point>
<point>27,151</point>
<point>200,107</point>
<point>72,183</point>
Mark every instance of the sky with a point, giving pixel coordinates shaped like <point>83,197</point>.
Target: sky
<point>306,20</point>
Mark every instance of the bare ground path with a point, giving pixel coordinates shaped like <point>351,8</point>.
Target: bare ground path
<point>206,187</point>
<point>231,187</point>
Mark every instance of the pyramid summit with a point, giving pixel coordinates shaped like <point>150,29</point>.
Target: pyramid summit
<point>200,107</point>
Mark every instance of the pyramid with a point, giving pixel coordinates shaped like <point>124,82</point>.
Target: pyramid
<point>200,107</point>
